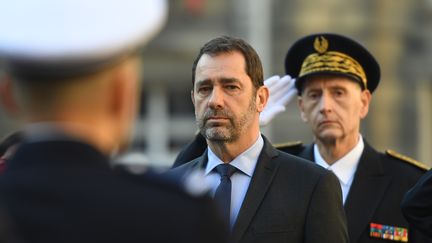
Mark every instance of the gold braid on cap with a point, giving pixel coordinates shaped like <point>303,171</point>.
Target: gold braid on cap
<point>332,61</point>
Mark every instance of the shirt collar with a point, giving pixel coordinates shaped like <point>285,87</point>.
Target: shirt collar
<point>245,162</point>
<point>345,167</point>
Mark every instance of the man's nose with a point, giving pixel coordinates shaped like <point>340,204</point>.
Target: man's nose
<point>325,103</point>
<point>216,98</point>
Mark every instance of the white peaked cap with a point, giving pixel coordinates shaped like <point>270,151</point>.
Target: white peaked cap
<point>56,31</point>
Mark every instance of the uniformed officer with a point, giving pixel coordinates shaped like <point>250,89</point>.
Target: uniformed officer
<point>336,77</point>
<point>71,72</point>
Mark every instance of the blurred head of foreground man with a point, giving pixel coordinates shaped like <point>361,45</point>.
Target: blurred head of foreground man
<point>71,72</point>
<point>264,194</point>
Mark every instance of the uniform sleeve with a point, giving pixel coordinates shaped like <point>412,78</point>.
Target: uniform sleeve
<point>326,220</point>
<point>417,204</point>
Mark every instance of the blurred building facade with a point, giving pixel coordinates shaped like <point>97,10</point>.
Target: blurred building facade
<point>398,33</point>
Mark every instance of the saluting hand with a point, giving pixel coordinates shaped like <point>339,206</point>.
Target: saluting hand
<point>282,91</point>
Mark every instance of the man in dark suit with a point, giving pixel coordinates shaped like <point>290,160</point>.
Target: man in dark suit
<point>335,79</point>
<point>71,72</point>
<point>265,195</point>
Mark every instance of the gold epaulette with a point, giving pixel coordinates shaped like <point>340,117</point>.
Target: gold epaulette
<point>288,144</point>
<point>407,159</point>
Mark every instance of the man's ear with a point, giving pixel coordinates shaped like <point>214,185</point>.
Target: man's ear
<point>123,101</point>
<point>262,97</point>
<point>366,98</point>
<point>7,97</point>
<point>192,97</point>
<point>123,90</point>
<point>301,108</point>
<point>117,90</point>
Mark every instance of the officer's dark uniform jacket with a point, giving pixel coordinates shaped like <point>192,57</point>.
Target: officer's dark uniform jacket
<point>379,184</point>
<point>65,191</point>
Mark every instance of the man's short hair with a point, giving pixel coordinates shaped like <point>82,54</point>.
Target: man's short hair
<point>226,44</point>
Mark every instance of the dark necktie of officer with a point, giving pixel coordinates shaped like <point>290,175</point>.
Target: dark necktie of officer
<point>223,192</point>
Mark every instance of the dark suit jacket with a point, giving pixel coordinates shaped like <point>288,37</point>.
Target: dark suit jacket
<point>417,204</point>
<point>379,184</point>
<point>288,200</point>
<point>64,191</point>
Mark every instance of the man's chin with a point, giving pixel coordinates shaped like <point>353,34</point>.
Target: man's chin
<point>217,135</point>
<point>328,136</point>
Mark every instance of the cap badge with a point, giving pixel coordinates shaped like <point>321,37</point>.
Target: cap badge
<point>320,44</point>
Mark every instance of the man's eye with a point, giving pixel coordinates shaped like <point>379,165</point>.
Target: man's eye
<point>338,93</point>
<point>231,87</point>
<point>204,89</point>
<point>313,95</point>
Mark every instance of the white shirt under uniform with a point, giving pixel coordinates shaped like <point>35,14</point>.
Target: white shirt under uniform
<point>344,168</point>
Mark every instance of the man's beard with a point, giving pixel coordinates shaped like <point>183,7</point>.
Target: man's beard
<point>226,133</point>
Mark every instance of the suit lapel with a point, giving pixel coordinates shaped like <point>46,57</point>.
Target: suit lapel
<point>262,177</point>
<point>201,161</point>
<point>369,184</point>
<point>178,173</point>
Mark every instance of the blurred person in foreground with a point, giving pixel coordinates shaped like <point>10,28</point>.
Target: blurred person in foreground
<point>417,205</point>
<point>264,194</point>
<point>71,72</point>
<point>335,80</point>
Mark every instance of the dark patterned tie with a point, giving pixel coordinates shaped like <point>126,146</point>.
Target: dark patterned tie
<point>223,192</point>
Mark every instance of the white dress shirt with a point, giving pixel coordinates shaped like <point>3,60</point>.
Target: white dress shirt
<point>245,163</point>
<point>344,168</point>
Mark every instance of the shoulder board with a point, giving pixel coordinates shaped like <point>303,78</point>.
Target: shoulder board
<point>407,159</point>
<point>288,144</point>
